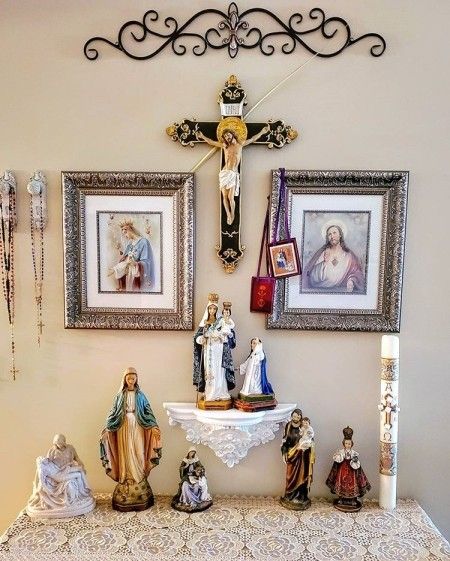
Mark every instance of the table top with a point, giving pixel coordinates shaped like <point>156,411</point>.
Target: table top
<point>233,529</point>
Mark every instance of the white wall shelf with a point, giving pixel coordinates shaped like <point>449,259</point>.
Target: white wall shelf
<point>230,434</point>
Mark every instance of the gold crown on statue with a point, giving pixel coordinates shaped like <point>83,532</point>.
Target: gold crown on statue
<point>348,433</point>
<point>213,298</point>
<point>226,305</point>
<point>126,222</point>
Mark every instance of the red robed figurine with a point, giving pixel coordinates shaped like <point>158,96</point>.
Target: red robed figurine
<point>347,478</point>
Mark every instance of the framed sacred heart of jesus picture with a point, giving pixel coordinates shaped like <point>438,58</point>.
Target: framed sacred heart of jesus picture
<point>128,250</point>
<point>350,230</point>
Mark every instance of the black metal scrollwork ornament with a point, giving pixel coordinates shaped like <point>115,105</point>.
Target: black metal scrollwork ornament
<point>235,31</point>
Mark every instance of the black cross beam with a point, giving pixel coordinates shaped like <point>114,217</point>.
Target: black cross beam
<point>232,99</point>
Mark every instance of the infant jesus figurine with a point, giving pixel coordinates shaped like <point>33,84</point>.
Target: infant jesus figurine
<point>306,435</point>
<point>347,478</point>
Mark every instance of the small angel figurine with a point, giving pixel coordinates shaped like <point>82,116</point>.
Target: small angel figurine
<point>192,495</point>
<point>347,478</point>
<point>60,488</point>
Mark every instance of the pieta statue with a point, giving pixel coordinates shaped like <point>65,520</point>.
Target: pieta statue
<point>256,393</point>
<point>60,487</point>
<point>130,445</point>
<point>213,373</point>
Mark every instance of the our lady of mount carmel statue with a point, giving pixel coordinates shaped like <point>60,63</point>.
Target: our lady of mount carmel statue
<point>213,370</point>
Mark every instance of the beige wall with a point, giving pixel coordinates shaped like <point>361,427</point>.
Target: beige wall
<point>59,111</point>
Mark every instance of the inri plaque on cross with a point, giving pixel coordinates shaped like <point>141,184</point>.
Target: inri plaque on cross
<point>230,135</point>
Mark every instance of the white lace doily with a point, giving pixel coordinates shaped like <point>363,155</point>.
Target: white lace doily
<point>233,529</point>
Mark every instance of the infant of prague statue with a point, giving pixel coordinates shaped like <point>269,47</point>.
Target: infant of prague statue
<point>60,487</point>
<point>130,445</point>
<point>299,455</point>
<point>213,364</point>
<point>347,479</point>
<point>256,393</point>
<point>192,495</point>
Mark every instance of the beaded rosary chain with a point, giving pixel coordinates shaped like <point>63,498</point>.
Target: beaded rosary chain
<point>38,276</point>
<point>7,267</point>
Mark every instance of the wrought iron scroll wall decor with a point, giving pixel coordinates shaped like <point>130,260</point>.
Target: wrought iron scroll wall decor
<point>235,31</point>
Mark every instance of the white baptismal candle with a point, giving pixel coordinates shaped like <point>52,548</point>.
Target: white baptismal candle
<point>390,346</point>
<point>388,407</point>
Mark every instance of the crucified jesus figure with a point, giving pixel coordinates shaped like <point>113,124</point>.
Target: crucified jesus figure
<point>229,180</point>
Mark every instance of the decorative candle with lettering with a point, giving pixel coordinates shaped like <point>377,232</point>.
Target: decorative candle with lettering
<point>389,410</point>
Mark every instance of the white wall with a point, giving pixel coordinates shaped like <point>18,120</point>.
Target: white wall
<point>58,111</point>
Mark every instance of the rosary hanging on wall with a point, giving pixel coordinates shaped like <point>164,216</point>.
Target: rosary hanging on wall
<point>37,188</point>
<point>8,223</point>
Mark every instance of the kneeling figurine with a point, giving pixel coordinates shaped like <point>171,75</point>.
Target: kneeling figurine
<point>60,488</point>
<point>192,495</point>
<point>347,478</point>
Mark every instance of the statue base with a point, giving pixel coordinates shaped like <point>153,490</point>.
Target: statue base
<point>295,504</point>
<point>252,403</point>
<point>132,496</point>
<point>77,509</point>
<point>219,405</point>
<point>181,507</point>
<point>347,505</point>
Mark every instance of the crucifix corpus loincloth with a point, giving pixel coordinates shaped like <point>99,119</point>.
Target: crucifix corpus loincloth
<point>230,135</point>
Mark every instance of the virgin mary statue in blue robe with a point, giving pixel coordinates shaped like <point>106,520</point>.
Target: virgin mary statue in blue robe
<point>130,445</point>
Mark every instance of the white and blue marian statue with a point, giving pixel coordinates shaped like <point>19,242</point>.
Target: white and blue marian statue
<point>213,364</point>
<point>192,495</point>
<point>255,372</point>
<point>60,487</point>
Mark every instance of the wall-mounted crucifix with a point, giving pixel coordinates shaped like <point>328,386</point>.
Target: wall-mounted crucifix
<point>231,134</point>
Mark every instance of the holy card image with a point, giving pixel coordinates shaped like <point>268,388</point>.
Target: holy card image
<point>284,259</point>
<point>129,252</point>
<point>335,248</point>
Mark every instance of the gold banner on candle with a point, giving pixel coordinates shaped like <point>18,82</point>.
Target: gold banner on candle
<point>390,369</point>
<point>388,458</point>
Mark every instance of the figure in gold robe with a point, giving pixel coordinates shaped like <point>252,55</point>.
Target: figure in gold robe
<point>130,445</point>
<point>298,453</point>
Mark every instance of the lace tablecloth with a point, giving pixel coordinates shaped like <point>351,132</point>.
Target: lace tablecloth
<point>233,529</point>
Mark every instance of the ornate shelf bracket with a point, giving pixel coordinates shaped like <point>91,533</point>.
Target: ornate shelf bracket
<point>143,40</point>
<point>230,434</point>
